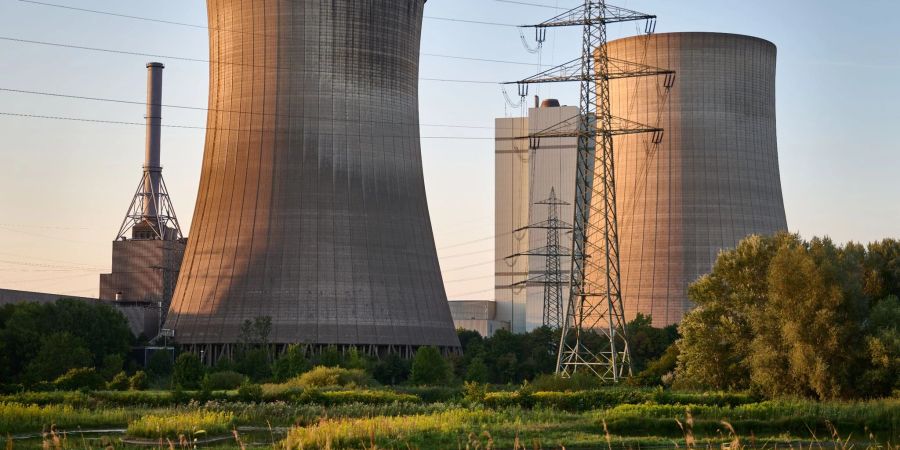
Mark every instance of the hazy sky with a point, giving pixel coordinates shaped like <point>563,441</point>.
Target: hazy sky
<point>65,186</point>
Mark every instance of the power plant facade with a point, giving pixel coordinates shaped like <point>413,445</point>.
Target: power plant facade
<point>711,181</point>
<point>312,208</point>
<point>526,171</point>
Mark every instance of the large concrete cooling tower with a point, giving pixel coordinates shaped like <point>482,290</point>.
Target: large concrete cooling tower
<point>713,179</point>
<point>312,208</point>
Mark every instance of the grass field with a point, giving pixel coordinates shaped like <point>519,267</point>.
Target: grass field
<point>369,419</point>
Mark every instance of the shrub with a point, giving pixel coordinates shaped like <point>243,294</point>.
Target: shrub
<point>330,357</point>
<point>433,394</point>
<point>255,364</point>
<point>80,379</point>
<point>112,365</point>
<point>334,377</point>
<point>579,381</point>
<point>429,367</point>
<point>160,363</point>
<point>477,371</point>
<point>291,364</point>
<point>118,383</point>
<point>474,392</point>
<point>391,370</point>
<point>249,392</point>
<point>188,371</point>
<point>138,381</point>
<point>59,353</point>
<point>220,381</point>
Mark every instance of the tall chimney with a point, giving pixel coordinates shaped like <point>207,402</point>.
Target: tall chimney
<point>152,158</point>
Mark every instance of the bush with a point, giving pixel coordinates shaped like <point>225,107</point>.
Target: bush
<point>474,392</point>
<point>334,377</point>
<point>118,383</point>
<point>112,365</point>
<point>138,381</point>
<point>391,370</point>
<point>80,379</point>
<point>433,394</point>
<point>221,381</point>
<point>160,363</point>
<point>291,364</point>
<point>255,364</point>
<point>188,371</point>
<point>249,392</point>
<point>429,367</point>
<point>577,382</point>
<point>59,353</point>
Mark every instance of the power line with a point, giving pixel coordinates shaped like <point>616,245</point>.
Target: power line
<point>202,27</point>
<point>207,61</point>
<point>198,108</point>
<point>191,127</point>
<point>476,22</point>
<point>516,3</point>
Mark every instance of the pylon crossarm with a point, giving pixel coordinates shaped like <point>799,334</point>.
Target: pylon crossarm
<point>600,14</point>
<point>547,225</point>
<point>572,71</point>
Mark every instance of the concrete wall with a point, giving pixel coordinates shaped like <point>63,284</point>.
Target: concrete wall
<point>477,315</point>
<point>312,207</point>
<point>143,270</point>
<point>712,181</point>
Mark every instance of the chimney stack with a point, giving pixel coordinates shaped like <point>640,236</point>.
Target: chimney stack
<point>152,166</point>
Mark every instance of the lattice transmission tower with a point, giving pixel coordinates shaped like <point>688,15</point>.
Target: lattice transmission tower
<point>595,299</point>
<point>552,277</point>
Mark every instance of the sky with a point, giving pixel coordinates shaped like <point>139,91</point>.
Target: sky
<point>65,185</point>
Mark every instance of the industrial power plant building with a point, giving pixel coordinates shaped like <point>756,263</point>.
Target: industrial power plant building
<point>524,176</point>
<point>312,207</point>
<point>710,181</point>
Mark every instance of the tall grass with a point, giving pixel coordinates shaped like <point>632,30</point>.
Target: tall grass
<point>17,418</point>
<point>798,416</point>
<point>448,429</point>
<point>190,423</point>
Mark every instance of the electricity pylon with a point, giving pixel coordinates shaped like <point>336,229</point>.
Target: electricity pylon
<point>552,277</point>
<point>595,298</point>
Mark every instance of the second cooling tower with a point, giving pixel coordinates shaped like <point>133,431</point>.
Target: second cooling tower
<point>312,208</point>
<point>711,181</point>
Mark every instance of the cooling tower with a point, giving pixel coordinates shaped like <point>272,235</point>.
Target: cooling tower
<point>311,208</point>
<point>713,179</point>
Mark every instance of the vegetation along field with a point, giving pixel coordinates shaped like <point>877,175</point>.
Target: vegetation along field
<point>793,344</point>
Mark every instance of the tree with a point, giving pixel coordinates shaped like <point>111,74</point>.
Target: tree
<point>254,363</point>
<point>429,367</point>
<point>59,353</point>
<point>188,371</point>
<point>715,336</point>
<point>883,348</point>
<point>477,371</point>
<point>806,342</point>
<point>256,331</point>
<point>391,370</point>
<point>99,328</point>
<point>647,343</point>
<point>790,317</point>
<point>160,363</point>
<point>292,363</point>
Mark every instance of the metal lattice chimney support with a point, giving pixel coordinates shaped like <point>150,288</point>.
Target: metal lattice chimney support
<point>152,167</point>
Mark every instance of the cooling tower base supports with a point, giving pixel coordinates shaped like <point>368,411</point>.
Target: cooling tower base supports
<point>210,354</point>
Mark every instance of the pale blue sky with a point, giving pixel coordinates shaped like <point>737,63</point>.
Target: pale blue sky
<point>64,186</point>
